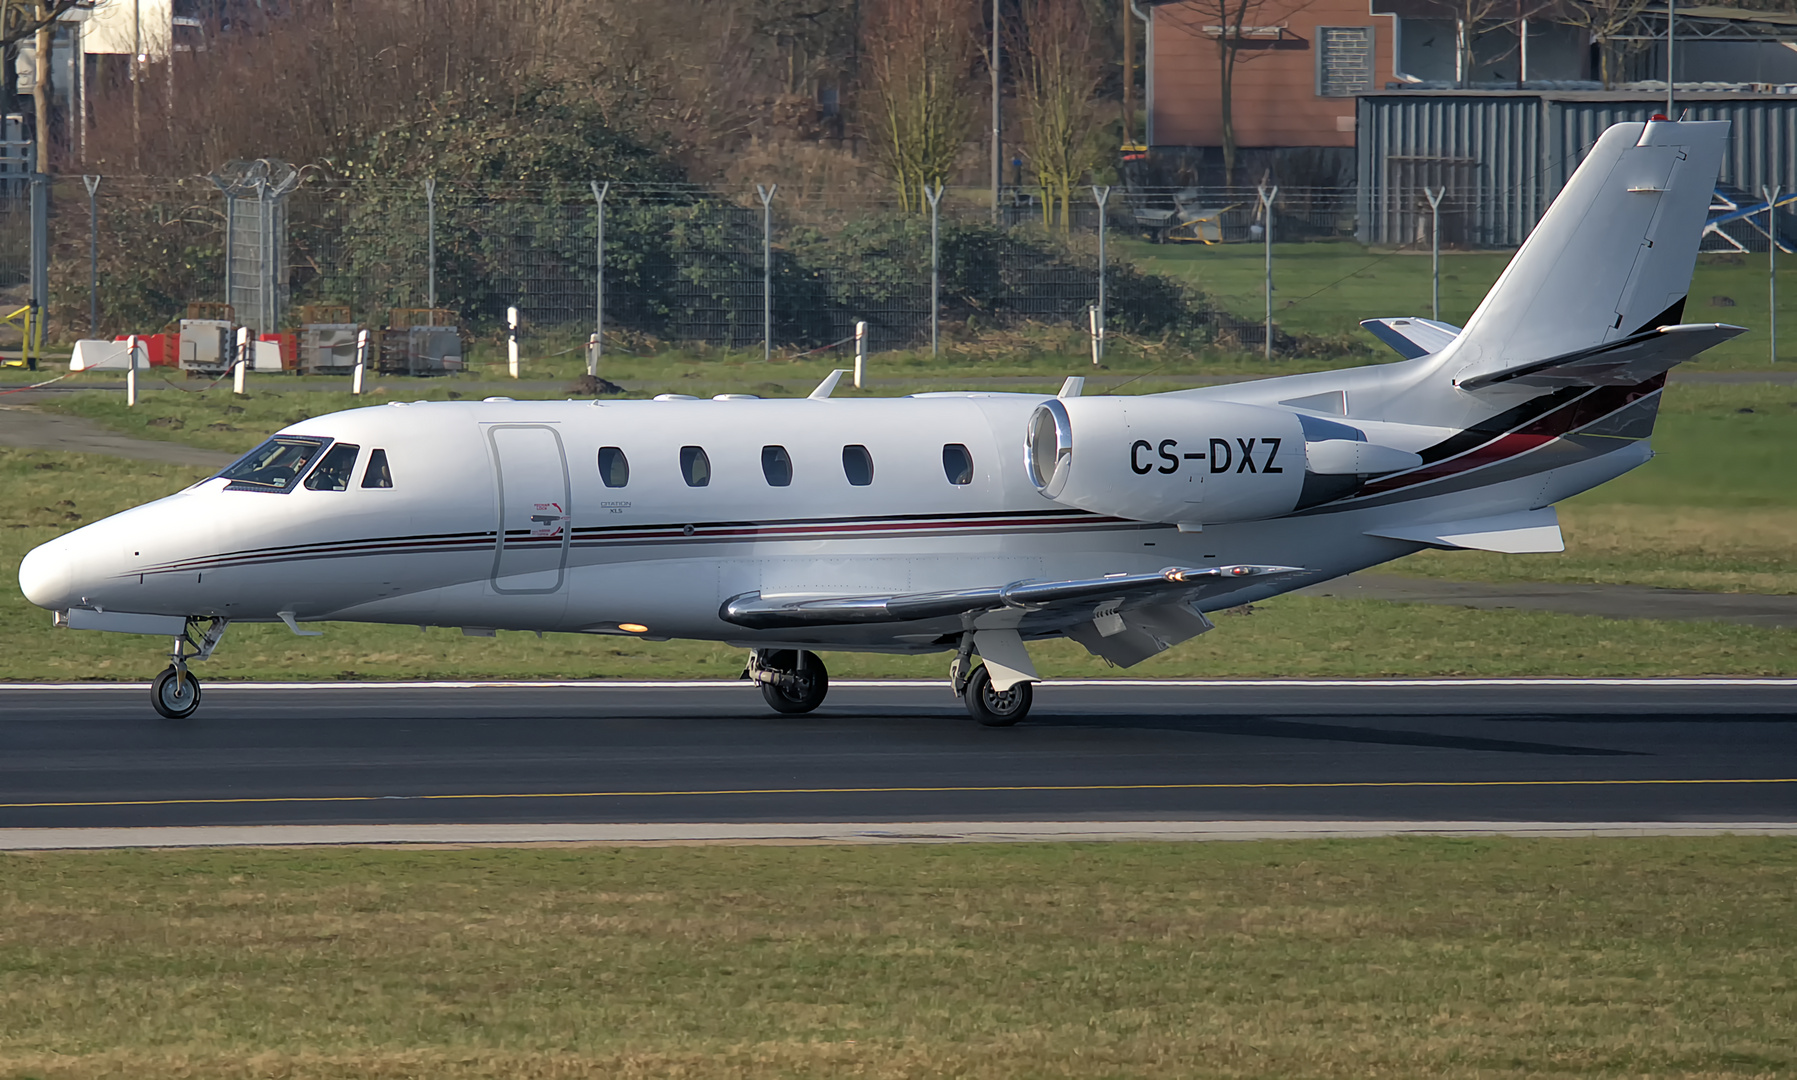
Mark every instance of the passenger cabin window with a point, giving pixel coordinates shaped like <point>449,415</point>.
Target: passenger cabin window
<point>334,472</point>
<point>957,464</point>
<point>377,475</point>
<point>776,465</point>
<point>614,467</point>
<point>695,466</point>
<point>858,465</point>
<point>274,466</point>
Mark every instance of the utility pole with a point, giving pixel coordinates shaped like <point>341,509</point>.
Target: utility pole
<point>998,133</point>
<point>1671,37</point>
<point>1129,75</point>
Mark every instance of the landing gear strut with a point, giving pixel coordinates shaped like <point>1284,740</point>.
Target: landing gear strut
<point>792,680</point>
<point>176,693</point>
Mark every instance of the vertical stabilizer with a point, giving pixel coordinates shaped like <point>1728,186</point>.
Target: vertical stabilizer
<point>1612,256</point>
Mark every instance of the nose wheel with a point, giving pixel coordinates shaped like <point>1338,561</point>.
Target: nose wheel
<point>175,693</point>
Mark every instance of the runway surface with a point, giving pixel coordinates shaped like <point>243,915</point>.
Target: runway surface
<point>494,755</point>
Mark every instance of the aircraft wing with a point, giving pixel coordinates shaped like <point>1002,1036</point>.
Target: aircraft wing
<point>1626,361</point>
<point>1078,597</point>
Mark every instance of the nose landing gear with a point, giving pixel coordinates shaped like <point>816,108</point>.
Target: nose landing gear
<point>176,693</point>
<point>791,680</point>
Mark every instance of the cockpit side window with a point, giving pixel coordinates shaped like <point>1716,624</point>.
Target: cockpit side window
<point>377,475</point>
<point>333,473</point>
<point>695,466</point>
<point>275,466</point>
<point>614,467</point>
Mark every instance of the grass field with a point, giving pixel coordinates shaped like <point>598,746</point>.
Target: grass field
<point>1327,288</point>
<point>1465,958</point>
<point>45,493</point>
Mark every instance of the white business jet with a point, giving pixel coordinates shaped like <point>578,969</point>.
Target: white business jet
<point>970,523</point>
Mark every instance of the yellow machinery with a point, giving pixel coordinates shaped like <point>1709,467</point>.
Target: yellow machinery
<point>31,330</point>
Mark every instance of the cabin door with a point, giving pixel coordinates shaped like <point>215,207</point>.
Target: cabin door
<point>535,517</point>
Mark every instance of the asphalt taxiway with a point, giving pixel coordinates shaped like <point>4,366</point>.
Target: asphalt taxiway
<point>438,758</point>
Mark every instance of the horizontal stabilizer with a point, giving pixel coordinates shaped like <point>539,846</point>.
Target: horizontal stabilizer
<point>1412,337</point>
<point>1626,361</point>
<point>1513,534</point>
<point>760,612</point>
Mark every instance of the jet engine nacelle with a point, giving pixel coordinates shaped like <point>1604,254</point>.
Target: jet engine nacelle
<point>1167,459</point>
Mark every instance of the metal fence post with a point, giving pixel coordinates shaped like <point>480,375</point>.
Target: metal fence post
<point>598,349</point>
<point>1435,197</point>
<point>1266,205</point>
<point>767,268</point>
<point>93,254</point>
<point>1771,196</point>
<point>1101,195</point>
<point>40,259</point>
<point>430,228</point>
<point>935,197</point>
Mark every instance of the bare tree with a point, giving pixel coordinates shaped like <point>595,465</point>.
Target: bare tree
<point>1058,74</point>
<point>915,75</point>
<point>1605,21</point>
<point>1241,30</point>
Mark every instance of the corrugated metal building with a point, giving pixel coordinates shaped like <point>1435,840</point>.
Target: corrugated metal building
<point>1504,155</point>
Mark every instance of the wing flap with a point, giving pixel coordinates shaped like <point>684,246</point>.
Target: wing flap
<point>758,612</point>
<point>1627,361</point>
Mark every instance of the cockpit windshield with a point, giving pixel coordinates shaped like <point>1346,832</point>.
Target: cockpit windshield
<point>275,465</point>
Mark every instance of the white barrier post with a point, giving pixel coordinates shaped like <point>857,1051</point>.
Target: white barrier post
<point>355,382</point>
<point>593,354</point>
<point>243,359</point>
<point>860,352</point>
<point>131,371</point>
<point>1096,332</point>
<point>511,338</point>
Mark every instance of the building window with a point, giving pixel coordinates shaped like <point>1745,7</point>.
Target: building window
<point>695,466</point>
<point>858,465</point>
<point>776,465</point>
<point>614,467</point>
<point>957,464</point>
<point>1344,60</point>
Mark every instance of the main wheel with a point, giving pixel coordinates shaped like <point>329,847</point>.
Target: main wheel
<point>175,694</point>
<point>996,708</point>
<point>802,686</point>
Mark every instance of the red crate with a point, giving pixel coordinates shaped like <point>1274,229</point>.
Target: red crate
<point>289,349</point>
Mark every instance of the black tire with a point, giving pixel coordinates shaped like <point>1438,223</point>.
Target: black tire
<point>805,687</point>
<point>173,699</point>
<point>995,708</point>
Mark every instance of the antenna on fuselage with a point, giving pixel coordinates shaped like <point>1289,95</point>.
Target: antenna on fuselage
<point>828,386</point>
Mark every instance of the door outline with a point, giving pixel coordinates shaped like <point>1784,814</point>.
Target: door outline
<point>561,570</point>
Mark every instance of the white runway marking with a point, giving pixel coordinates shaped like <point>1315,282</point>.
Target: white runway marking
<point>887,832</point>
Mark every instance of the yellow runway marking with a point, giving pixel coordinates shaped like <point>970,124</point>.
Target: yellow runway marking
<point>896,791</point>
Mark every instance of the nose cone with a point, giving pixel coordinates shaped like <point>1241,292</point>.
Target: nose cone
<point>47,576</point>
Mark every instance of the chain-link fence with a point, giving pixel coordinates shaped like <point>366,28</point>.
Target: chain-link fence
<point>672,263</point>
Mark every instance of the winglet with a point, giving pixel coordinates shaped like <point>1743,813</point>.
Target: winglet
<point>828,386</point>
<point>1072,388</point>
<point>293,625</point>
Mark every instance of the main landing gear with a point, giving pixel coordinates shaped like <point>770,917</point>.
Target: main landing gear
<point>974,685</point>
<point>792,680</point>
<point>176,693</point>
